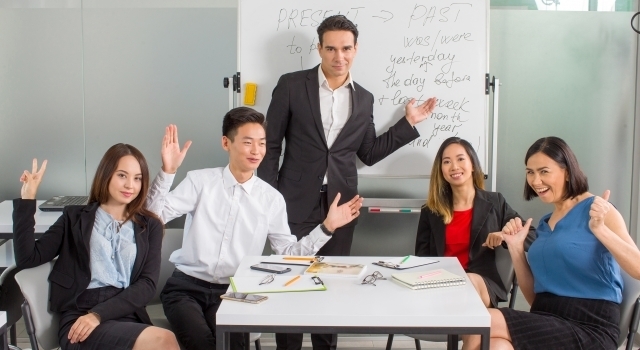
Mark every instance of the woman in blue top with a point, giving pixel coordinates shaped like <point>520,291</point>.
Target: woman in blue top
<point>108,256</point>
<point>572,277</point>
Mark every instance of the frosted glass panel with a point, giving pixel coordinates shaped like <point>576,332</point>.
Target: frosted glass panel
<point>146,68</point>
<point>570,75</point>
<point>41,99</point>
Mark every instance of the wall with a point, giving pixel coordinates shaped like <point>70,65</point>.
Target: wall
<point>79,76</point>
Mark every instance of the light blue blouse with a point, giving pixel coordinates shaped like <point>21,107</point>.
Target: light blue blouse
<point>112,252</point>
<point>570,261</point>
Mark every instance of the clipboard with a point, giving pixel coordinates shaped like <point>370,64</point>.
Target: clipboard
<point>411,262</point>
<point>251,285</point>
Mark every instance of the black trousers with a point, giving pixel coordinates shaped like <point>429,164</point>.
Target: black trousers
<point>338,245</point>
<point>190,305</point>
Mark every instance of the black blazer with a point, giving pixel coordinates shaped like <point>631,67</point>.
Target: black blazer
<point>490,213</point>
<point>294,115</point>
<point>69,239</point>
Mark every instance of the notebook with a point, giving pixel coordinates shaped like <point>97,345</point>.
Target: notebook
<point>59,202</point>
<point>336,269</point>
<point>251,285</point>
<point>428,279</point>
<point>405,263</point>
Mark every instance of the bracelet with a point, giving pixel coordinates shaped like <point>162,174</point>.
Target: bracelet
<point>325,230</point>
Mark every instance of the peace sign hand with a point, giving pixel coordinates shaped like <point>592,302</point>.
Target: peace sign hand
<point>599,209</point>
<point>31,180</point>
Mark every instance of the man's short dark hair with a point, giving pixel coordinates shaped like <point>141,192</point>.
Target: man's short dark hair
<point>558,150</point>
<point>337,22</point>
<point>238,117</point>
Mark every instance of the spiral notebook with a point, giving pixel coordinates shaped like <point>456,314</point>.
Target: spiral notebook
<point>428,279</point>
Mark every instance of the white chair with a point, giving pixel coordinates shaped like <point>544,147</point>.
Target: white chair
<point>41,324</point>
<point>11,300</point>
<point>508,277</point>
<point>171,242</point>
<point>629,310</point>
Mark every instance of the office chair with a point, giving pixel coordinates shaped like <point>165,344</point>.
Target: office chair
<point>508,277</point>
<point>171,242</point>
<point>11,300</point>
<point>629,310</point>
<point>41,324</point>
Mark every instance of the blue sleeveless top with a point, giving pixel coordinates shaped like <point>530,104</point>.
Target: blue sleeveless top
<point>571,262</point>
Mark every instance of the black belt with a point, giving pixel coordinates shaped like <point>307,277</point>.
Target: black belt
<point>183,276</point>
<point>323,188</point>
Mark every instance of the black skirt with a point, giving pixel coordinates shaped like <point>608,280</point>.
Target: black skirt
<point>493,289</point>
<point>557,322</point>
<point>119,334</point>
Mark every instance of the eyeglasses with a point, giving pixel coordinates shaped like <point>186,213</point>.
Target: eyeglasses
<point>268,279</point>
<point>372,278</point>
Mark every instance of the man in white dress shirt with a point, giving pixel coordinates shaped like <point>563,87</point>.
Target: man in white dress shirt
<point>230,214</point>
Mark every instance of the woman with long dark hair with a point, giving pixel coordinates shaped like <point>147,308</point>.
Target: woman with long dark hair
<point>461,219</point>
<point>571,276</point>
<point>108,256</point>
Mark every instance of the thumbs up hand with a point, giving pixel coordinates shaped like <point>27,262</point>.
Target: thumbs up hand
<point>599,209</point>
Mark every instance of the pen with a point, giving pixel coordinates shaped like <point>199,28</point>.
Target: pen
<point>405,259</point>
<point>430,274</point>
<point>292,281</point>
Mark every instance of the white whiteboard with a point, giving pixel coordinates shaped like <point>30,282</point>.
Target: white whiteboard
<point>405,49</point>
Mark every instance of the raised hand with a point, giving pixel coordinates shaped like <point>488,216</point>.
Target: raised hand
<point>339,216</point>
<point>517,238</point>
<point>417,114</point>
<point>172,156</point>
<point>494,239</point>
<point>31,180</point>
<point>82,328</point>
<point>599,209</point>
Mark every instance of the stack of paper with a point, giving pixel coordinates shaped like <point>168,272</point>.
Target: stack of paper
<point>428,279</point>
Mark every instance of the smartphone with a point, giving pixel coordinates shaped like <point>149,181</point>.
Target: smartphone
<point>270,268</point>
<point>247,298</point>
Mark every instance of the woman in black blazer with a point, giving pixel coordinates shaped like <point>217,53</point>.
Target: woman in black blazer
<point>108,256</point>
<point>461,219</point>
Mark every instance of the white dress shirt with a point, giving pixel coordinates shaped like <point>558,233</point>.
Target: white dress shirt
<point>226,221</point>
<point>335,108</point>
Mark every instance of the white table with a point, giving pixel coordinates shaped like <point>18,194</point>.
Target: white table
<point>3,331</point>
<point>44,219</point>
<point>350,307</point>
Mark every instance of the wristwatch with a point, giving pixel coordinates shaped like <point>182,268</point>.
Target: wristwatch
<point>325,230</point>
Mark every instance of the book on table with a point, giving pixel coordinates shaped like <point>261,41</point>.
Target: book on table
<point>428,279</point>
<point>336,269</point>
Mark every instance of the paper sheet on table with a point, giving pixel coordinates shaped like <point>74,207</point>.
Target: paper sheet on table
<point>413,261</point>
<point>251,285</point>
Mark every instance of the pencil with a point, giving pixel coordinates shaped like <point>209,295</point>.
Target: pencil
<point>292,281</point>
<point>307,258</point>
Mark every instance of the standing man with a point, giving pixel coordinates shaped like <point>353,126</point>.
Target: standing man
<point>327,120</point>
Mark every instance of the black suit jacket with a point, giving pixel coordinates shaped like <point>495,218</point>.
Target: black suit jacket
<point>490,213</point>
<point>69,239</point>
<point>294,115</point>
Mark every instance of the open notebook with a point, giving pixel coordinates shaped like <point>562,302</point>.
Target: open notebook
<point>251,285</point>
<point>428,279</point>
